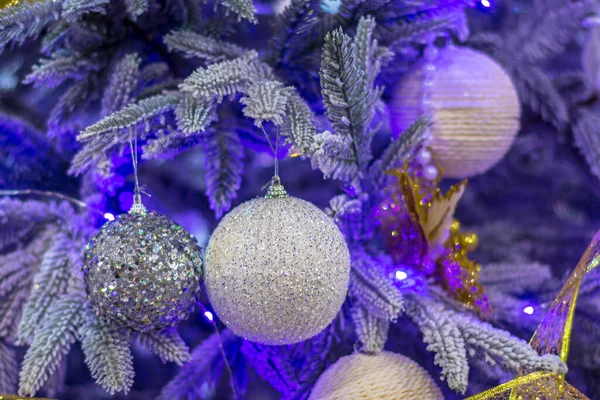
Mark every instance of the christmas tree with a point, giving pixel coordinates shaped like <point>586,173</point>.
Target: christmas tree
<point>236,199</point>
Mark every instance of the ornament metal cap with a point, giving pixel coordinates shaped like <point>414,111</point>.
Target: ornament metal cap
<point>137,207</point>
<point>276,189</point>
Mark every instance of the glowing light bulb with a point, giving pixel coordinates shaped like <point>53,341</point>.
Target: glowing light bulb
<point>208,315</point>
<point>401,275</point>
<point>109,216</point>
<point>528,310</point>
<point>486,3</point>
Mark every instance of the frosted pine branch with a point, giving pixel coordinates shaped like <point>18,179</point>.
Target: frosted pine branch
<point>52,342</point>
<point>399,150</point>
<point>298,125</point>
<point>348,70</point>
<point>537,91</point>
<point>168,146</point>
<point>371,330</point>
<point>450,334</point>
<point>193,380</point>
<point>435,20</point>
<point>515,277</point>
<point>587,140</point>
<point>226,78</point>
<point>512,352</point>
<point>74,10</point>
<point>194,115</point>
<point>242,8</point>
<point>443,338</point>
<point>9,373</point>
<point>26,20</point>
<point>291,31</point>
<point>107,353</point>
<point>370,288</point>
<point>69,106</point>
<point>113,133</point>
<point>132,115</point>
<point>122,84</point>
<point>556,28</point>
<point>334,156</point>
<point>48,285</point>
<point>168,345</point>
<point>135,8</point>
<point>192,44</point>
<point>53,71</point>
<point>16,275</point>
<point>223,168</point>
<point>347,214</point>
<point>266,101</point>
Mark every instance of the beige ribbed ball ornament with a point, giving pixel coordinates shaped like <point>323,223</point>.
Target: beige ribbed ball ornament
<point>379,376</point>
<point>473,103</point>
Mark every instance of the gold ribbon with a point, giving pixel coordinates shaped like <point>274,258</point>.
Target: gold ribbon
<point>553,336</point>
<point>6,3</point>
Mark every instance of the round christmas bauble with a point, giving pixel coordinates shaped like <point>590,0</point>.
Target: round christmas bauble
<point>379,376</point>
<point>473,103</point>
<point>277,270</point>
<point>142,270</point>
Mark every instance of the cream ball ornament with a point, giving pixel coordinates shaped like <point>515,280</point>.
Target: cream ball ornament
<point>382,376</point>
<point>473,103</point>
<point>276,269</point>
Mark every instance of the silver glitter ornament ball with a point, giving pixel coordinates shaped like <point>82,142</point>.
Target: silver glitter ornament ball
<point>143,270</point>
<point>277,270</point>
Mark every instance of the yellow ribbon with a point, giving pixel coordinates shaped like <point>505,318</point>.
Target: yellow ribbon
<point>553,336</point>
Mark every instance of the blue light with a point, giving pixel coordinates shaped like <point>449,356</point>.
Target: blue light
<point>109,216</point>
<point>486,3</point>
<point>528,310</point>
<point>208,315</point>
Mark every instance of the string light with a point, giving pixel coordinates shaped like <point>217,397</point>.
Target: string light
<point>401,275</point>
<point>109,217</point>
<point>528,310</point>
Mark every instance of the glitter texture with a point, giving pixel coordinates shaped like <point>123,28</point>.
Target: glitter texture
<point>277,270</point>
<point>143,271</point>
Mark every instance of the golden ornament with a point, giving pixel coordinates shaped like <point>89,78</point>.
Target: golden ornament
<point>382,376</point>
<point>474,106</point>
<point>433,213</point>
<point>552,336</point>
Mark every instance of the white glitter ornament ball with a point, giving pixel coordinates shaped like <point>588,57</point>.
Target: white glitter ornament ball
<point>474,105</point>
<point>142,270</point>
<point>277,270</point>
<point>381,376</point>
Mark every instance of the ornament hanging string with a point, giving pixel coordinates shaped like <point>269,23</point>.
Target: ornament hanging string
<point>137,206</point>
<point>275,187</point>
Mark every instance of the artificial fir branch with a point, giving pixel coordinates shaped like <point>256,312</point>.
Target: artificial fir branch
<point>371,330</point>
<point>26,20</point>
<point>212,50</point>
<point>167,344</point>
<point>52,341</point>
<point>223,167</point>
<point>122,84</point>
<point>49,284</point>
<point>194,115</point>
<point>107,353</point>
